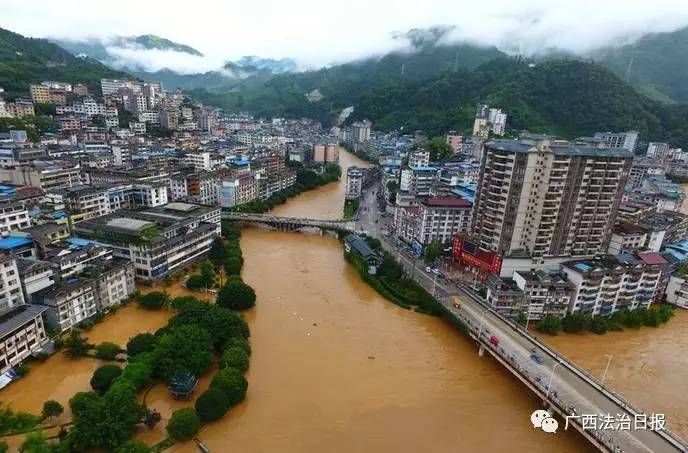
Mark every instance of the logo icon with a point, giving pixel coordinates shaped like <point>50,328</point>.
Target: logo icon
<point>542,419</point>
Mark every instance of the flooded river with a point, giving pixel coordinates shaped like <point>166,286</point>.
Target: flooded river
<point>337,368</point>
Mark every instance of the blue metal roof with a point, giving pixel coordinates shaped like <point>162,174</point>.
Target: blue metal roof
<point>582,267</point>
<point>13,242</point>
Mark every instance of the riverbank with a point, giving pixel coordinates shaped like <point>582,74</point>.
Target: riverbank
<point>306,180</point>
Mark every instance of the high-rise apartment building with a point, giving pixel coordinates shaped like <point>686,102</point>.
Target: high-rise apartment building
<point>542,197</point>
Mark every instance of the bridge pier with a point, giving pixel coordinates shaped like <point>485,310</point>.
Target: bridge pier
<point>481,350</point>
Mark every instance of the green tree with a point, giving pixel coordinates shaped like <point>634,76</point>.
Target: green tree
<point>634,319</point>
<point>107,421</point>
<point>133,446</point>
<point>103,377</point>
<point>107,351</point>
<point>188,347</point>
<point>218,252</point>
<point>236,295</point>
<point>52,408</point>
<point>222,324</point>
<point>432,252</point>
<point>208,273</point>
<point>232,382</point>
<point>521,318</point>
<point>75,345</point>
<point>232,265</point>
<point>549,324</point>
<point>235,357</point>
<point>196,282</point>
<point>82,401</point>
<point>212,405</point>
<point>239,342</point>
<point>153,300</point>
<point>439,149</point>
<point>184,424</point>
<point>35,442</point>
<point>573,323</point>
<point>652,318</point>
<point>600,325</point>
<point>137,373</point>
<point>139,343</point>
<point>666,312</point>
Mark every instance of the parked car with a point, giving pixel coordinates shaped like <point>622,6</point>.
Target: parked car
<point>428,269</point>
<point>537,358</point>
<point>436,271</point>
<point>494,340</point>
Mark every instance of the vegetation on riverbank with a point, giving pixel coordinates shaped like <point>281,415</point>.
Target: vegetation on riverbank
<point>305,180</point>
<point>197,335</point>
<point>391,282</point>
<point>358,153</point>
<point>577,322</point>
<point>350,208</point>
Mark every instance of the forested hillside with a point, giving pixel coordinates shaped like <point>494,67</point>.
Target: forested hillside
<point>27,60</point>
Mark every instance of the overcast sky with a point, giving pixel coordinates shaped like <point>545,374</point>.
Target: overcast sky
<point>319,33</point>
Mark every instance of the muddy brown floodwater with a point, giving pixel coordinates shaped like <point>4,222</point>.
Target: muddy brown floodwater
<point>648,366</point>
<point>337,368</point>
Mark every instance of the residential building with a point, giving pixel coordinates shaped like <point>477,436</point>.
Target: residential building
<point>657,150</point>
<point>36,275</point>
<point>205,160</point>
<point>45,175</point>
<point>239,190</point>
<point>22,334</point>
<point>606,284</point>
<point>440,219</point>
<point>13,216</point>
<point>418,180</point>
<point>159,241</point>
<point>677,290</point>
<point>419,158</point>
<point>455,140</point>
<point>113,281</point>
<point>85,201</point>
<point>10,283</point>
<point>619,140</point>
<point>360,131</point>
<point>40,94</point>
<point>354,182</point>
<point>544,197</point>
<point>68,304</point>
<point>628,238</point>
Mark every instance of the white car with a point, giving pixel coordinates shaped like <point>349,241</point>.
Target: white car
<point>428,269</point>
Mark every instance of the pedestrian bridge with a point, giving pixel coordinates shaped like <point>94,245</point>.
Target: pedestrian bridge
<point>290,223</point>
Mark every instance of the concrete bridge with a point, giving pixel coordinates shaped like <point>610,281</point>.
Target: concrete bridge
<point>562,386</point>
<point>290,223</point>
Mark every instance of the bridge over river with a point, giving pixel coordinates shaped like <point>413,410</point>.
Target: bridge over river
<point>290,223</point>
<point>563,387</point>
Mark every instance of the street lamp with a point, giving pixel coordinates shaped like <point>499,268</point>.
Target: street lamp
<point>528,314</point>
<point>609,360</point>
<point>482,318</point>
<point>551,376</point>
